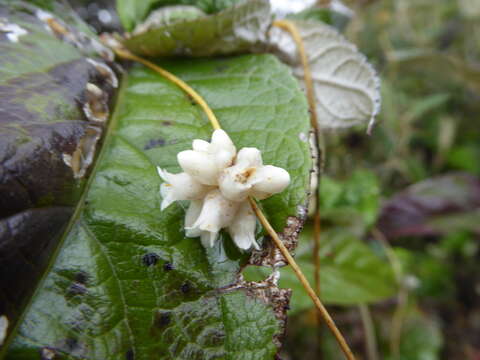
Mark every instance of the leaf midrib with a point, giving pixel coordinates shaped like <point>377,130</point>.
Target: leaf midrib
<point>78,209</point>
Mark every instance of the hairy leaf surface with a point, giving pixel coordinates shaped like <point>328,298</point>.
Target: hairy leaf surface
<point>237,29</point>
<point>127,283</point>
<point>346,86</point>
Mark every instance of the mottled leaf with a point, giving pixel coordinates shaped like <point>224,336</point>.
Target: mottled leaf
<point>127,283</point>
<point>351,273</point>
<point>422,208</point>
<point>346,86</point>
<point>237,29</point>
<point>46,140</point>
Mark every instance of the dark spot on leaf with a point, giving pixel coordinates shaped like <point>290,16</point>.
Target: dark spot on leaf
<point>76,289</point>
<point>168,266</point>
<point>150,259</point>
<point>81,277</point>
<point>167,123</point>
<point>221,68</point>
<point>71,344</point>
<point>130,355</point>
<point>162,319</point>
<point>186,287</point>
<point>192,101</point>
<point>153,143</point>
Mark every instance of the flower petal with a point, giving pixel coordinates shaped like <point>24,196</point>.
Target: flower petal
<point>191,216</point>
<point>269,180</point>
<point>208,238</point>
<point>222,149</point>
<point>242,229</point>
<point>179,187</point>
<point>233,183</point>
<point>249,156</point>
<point>236,181</point>
<point>167,196</point>
<point>217,213</point>
<point>200,145</point>
<point>199,165</point>
<point>221,140</point>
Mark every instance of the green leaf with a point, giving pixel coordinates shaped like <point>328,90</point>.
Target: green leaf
<point>43,124</point>
<point>351,273</point>
<point>127,283</point>
<point>421,338</point>
<point>133,12</point>
<point>464,157</point>
<point>355,200</point>
<point>237,29</point>
<point>338,20</point>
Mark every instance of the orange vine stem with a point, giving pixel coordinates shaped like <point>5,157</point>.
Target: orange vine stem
<point>307,76</point>
<point>298,272</point>
<point>292,29</point>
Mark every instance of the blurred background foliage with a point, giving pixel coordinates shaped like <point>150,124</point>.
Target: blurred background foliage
<point>410,192</point>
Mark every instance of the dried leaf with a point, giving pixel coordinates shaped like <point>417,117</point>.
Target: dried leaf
<point>423,208</point>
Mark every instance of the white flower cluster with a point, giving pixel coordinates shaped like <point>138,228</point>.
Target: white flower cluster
<point>217,180</point>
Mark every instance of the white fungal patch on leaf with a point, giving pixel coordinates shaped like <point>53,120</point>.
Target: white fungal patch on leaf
<point>70,35</point>
<point>347,89</point>
<point>11,31</point>
<point>218,182</point>
<point>81,159</point>
<point>105,71</point>
<point>95,107</point>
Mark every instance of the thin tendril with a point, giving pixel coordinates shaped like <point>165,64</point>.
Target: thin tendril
<point>179,82</point>
<point>125,54</point>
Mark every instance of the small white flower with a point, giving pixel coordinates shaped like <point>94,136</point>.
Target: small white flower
<point>207,160</point>
<point>179,187</point>
<point>242,228</point>
<point>191,216</point>
<point>218,184</point>
<point>250,177</point>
